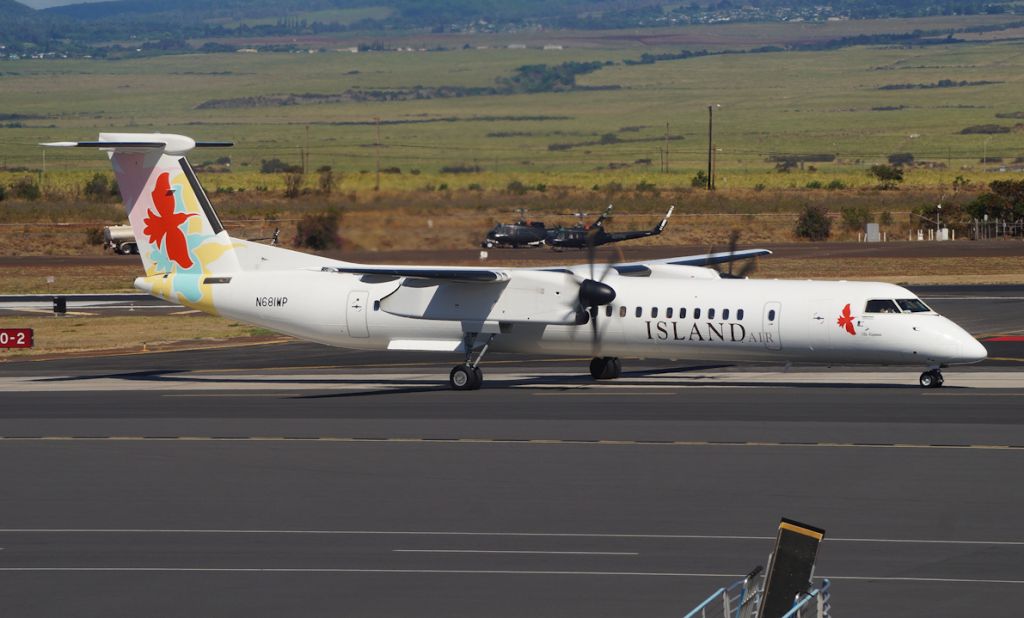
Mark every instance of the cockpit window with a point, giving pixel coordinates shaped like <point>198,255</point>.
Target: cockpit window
<point>881,306</point>
<point>912,305</point>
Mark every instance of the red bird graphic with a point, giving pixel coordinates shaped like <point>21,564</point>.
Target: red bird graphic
<point>846,320</point>
<point>162,226</point>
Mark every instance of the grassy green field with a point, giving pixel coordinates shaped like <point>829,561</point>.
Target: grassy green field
<point>771,103</point>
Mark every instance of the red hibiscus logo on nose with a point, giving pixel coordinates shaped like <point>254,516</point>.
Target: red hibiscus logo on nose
<point>846,320</point>
<point>162,226</point>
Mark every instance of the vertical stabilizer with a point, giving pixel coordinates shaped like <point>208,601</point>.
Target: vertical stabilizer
<point>180,239</point>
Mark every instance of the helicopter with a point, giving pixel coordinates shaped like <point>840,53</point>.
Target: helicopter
<point>582,237</point>
<point>522,233</point>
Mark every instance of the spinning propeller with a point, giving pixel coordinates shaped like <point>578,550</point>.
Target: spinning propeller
<point>744,271</point>
<point>594,292</point>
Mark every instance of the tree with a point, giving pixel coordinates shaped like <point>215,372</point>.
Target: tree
<point>889,176</point>
<point>855,217</point>
<point>1004,200</point>
<point>813,223</point>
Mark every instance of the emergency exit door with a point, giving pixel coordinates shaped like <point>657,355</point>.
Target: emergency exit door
<point>770,323</point>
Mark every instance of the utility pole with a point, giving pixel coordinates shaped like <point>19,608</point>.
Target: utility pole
<point>710,121</point>
<point>377,121</point>
<point>666,147</point>
<point>305,157</point>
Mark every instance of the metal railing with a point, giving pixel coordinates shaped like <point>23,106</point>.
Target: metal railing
<point>821,606</point>
<point>739,600</point>
<point>742,598</point>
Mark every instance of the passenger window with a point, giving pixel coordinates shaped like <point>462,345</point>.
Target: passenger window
<point>696,314</point>
<point>682,313</point>
<point>639,312</point>
<point>912,305</point>
<point>881,306</point>
<point>622,311</point>
<point>608,310</point>
<point>771,315</point>
<point>668,313</point>
<point>725,314</point>
<point>654,312</point>
<point>711,314</point>
<point>739,314</point>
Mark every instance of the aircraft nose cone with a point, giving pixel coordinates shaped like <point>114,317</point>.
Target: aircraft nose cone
<point>972,351</point>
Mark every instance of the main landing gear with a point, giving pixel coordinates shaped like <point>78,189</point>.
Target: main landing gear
<point>605,368</point>
<point>931,379</point>
<point>468,376</point>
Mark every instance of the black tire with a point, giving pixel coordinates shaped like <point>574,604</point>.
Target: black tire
<point>465,378</point>
<point>605,368</point>
<point>616,366</point>
<point>928,380</point>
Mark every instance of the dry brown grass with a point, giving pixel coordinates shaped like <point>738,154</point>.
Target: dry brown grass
<point>79,333</point>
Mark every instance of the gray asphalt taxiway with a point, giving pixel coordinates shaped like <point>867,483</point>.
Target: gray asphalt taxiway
<point>300,480</point>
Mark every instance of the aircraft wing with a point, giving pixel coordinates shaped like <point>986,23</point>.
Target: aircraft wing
<point>441,273</point>
<point>706,259</point>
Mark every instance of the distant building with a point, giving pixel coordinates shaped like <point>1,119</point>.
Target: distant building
<point>552,47</point>
<point>248,50</point>
<point>516,46</point>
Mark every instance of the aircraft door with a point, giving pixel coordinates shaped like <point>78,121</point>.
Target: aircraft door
<point>772,316</point>
<point>821,325</point>
<point>356,313</point>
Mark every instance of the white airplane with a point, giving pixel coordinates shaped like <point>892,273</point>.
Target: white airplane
<point>674,308</point>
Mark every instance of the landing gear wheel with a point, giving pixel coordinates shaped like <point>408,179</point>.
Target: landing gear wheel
<point>466,378</point>
<point>605,368</point>
<point>931,379</point>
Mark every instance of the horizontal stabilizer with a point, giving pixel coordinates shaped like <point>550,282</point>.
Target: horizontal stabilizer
<point>135,142</point>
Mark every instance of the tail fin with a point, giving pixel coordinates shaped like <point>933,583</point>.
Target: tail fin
<point>661,226</point>
<point>604,215</point>
<point>179,236</point>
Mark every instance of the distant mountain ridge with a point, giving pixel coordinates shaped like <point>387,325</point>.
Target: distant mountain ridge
<point>10,8</point>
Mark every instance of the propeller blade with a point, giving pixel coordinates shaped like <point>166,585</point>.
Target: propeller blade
<point>747,269</point>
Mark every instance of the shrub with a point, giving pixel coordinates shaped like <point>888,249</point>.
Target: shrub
<point>836,185</point>
<point>759,187</point>
<point>814,184</point>
<point>461,169</point>
<point>26,189</point>
<point>609,138</point>
<point>94,236</point>
<point>325,180</point>
<point>292,184</point>
<point>276,166</point>
<point>98,188</point>
<point>3,193</point>
<point>516,188</point>
<point>855,217</point>
<point>699,180</point>
<point>813,223</point>
<point>885,219</point>
<point>475,186</point>
<point>646,187</point>
<point>319,231</point>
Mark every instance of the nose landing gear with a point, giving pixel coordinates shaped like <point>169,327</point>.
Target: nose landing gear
<point>931,379</point>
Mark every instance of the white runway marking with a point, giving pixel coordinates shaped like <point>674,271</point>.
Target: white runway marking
<point>451,533</point>
<point>354,381</point>
<point>516,551</point>
<point>873,578</point>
